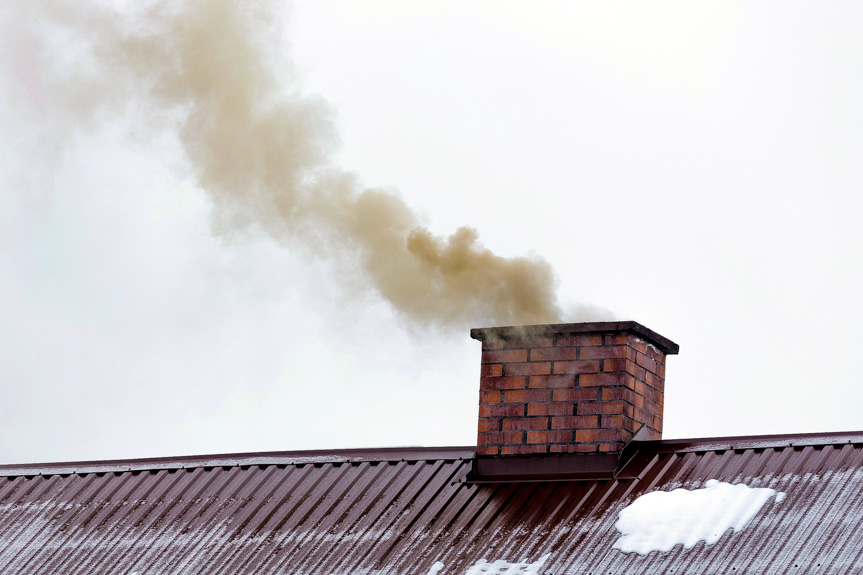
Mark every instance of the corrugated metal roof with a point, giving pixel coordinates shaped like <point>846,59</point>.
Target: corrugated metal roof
<point>400,511</point>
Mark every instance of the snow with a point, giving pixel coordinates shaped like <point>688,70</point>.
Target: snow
<point>499,567</point>
<point>659,520</point>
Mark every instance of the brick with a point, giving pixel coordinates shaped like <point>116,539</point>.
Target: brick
<point>487,450</point>
<point>594,379</point>
<point>523,449</point>
<point>645,362</point>
<point>613,365</point>
<point>550,409</point>
<point>501,438</point>
<point>614,393</point>
<point>600,407</point>
<point>502,410</point>
<point>490,370</point>
<point>575,422</point>
<point>659,397</point>
<point>525,424</point>
<point>573,448</point>
<point>654,381</point>
<point>489,397</point>
<point>660,370</point>
<point>609,447</point>
<point>576,366</point>
<point>629,411</point>
<point>527,395</point>
<point>549,436</point>
<point>657,425</point>
<point>553,353</point>
<point>578,394</point>
<point>638,344</point>
<point>539,368</point>
<point>578,340</point>
<point>608,421</point>
<point>616,339</point>
<point>532,342</point>
<point>630,424</point>
<point>504,355</point>
<point>607,352</point>
<point>636,370</point>
<point>497,383</point>
<point>493,344</point>
<point>489,425</point>
<point>597,435</point>
<point>551,381</point>
<point>655,355</point>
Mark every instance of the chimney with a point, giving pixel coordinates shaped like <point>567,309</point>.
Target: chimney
<point>569,388</point>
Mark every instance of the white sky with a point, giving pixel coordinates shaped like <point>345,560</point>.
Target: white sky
<point>692,166</point>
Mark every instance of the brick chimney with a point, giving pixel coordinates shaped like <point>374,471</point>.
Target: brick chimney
<point>569,388</point>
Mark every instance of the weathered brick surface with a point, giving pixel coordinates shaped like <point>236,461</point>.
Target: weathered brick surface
<point>551,381</point>
<point>569,393</point>
<point>550,408</point>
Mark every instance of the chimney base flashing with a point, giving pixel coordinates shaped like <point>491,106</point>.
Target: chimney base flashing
<point>556,467</point>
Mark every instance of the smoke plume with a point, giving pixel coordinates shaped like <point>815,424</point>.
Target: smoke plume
<point>260,147</point>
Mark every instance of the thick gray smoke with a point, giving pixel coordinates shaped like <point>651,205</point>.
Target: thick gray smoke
<point>260,147</point>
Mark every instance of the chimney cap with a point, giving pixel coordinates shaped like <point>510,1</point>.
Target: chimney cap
<point>519,331</point>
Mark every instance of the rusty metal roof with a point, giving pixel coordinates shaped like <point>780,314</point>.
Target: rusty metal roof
<point>402,511</point>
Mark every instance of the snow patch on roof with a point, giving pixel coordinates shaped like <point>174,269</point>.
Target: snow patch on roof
<point>659,520</point>
<point>499,567</point>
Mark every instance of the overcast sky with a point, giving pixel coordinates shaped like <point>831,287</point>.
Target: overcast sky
<point>692,166</point>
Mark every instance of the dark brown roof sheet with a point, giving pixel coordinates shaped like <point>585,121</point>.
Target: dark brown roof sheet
<point>400,511</point>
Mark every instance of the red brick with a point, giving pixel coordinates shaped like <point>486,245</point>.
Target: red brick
<point>550,408</point>
<point>630,424</point>
<point>613,365</point>
<point>655,355</point>
<point>501,437</point>
<point>534,341</point>
<point>502,410</point>
<point>496,383</point>
<point>493,344</point>
<point>635,399</point>
<point>614,393</point>
<point>504,356</point>
<point>549,436</point>
<point>616,339</point>
<point>628,411</point>
<point>526,424</point>
<point>660,370</point>
<point>527,395</point>
<point>596,435</point>
<point>609,447</point>
<point>539,368</point>
<point>578,340</point>
<point>611,379</point>
<point>550,381</point>
<point>490,370</point>
<point>573,448</point>
<point>553,353</point>
<point>600,407</point>
<point>607,352</point>
<point>489,397</point>
<point>657,425</point>
<point>645,362</point>
<point>523,449</point>
<point>655,381</point>
<point>576,366</point>
<point>607,421</point>
<point>487,450</point>
<point>636,370</point>
<point>579,394</point>
<point>659,397</point>
<point>575,422</point>
<point>489,425</point>
<point>638,344</point>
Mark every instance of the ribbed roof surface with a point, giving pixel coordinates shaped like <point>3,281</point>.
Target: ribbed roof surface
<point>399,512</point>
